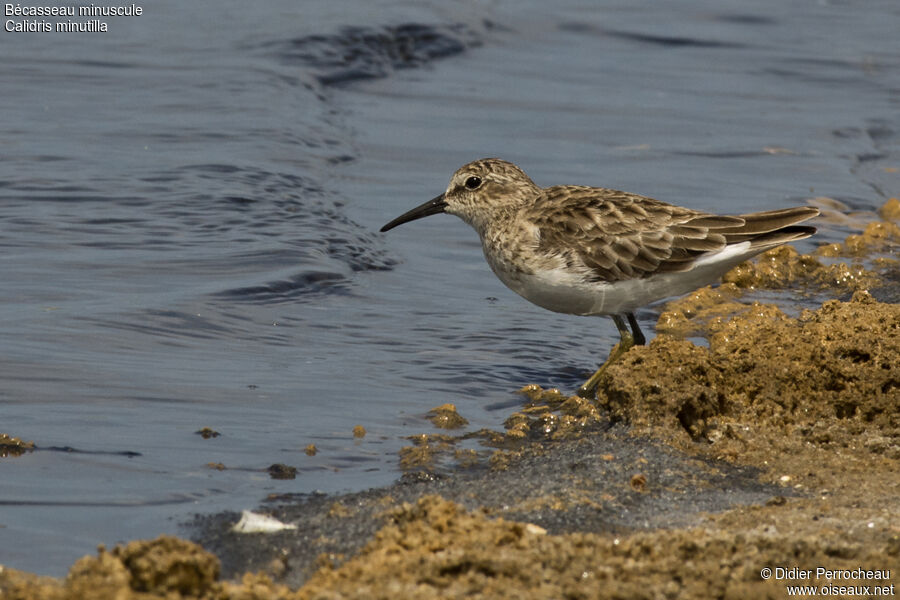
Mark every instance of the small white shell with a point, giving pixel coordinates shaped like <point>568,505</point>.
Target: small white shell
<point>252,522</point>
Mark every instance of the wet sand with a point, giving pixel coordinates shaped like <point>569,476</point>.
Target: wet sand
<point>776,445</point>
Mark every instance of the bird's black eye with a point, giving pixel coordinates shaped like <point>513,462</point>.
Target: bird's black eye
<point>473,183</point>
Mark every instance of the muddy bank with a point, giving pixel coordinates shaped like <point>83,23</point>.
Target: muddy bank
<point>830,378</point>
<point>435,548</point>
<point>775,445</point>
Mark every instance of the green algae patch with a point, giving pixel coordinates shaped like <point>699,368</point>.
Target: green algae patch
<point>425,451</point>
<point>877,237</point>
<point>552,415</point>
<point>784,266</point>
<point>282,471</point>
<point>693,314</point>
<point>207,433</point>
<point>547,415</point>
<point>13,446</point>
<point>445,416</point>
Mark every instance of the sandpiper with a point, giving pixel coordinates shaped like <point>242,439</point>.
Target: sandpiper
<point>596,251</point>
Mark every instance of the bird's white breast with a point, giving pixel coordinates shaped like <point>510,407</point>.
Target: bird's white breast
<point>565,290</point>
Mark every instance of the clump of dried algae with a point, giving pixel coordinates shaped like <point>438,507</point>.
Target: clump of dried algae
<point>13,446</point>
<point>165,567</point>
<point>771,383</point>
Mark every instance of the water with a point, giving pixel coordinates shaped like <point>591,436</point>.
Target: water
<point>189,206</point>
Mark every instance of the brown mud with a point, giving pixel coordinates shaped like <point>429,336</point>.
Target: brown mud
<point>777,445</point>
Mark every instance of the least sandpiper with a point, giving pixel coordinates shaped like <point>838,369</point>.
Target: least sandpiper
<point>596,251</point>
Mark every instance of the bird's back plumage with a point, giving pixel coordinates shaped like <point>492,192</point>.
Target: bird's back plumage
<point>618,236</point>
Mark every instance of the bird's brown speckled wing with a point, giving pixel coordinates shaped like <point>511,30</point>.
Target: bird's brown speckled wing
<point>616,235</point>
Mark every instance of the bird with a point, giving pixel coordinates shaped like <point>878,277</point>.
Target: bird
<point>594,251</point>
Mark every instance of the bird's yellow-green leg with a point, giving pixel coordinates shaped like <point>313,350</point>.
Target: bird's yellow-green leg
<point>625,344</point>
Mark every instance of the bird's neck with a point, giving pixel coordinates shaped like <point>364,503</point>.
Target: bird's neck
<point>490,223</point>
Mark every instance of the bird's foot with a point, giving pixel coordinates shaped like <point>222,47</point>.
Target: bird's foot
<point>589,389</point>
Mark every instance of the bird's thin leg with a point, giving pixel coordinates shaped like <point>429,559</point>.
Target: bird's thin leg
<point>626,342</point>
<point>639,339</point>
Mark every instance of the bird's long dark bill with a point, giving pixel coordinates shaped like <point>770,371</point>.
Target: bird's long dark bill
<point>432,207</point>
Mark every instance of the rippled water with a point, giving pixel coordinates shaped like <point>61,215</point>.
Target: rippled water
<point>189,206</point>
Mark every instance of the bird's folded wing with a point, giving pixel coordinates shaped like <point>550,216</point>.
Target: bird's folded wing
<point>614,235</point>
